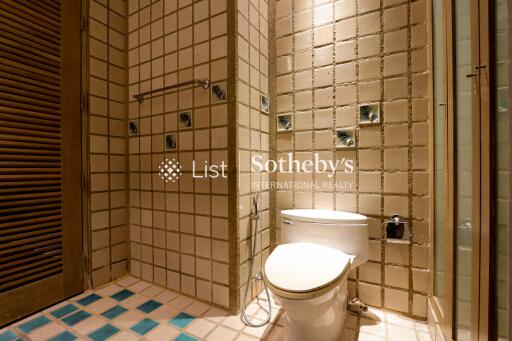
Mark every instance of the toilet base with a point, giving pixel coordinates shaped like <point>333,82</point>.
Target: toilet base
<point>317,319</point>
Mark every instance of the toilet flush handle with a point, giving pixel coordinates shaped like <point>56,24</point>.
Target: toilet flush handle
<point>288,222</point>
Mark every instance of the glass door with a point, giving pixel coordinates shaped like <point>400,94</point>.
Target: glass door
<point>439,51</point>
<point>465,92</point>
<point>502,170</point>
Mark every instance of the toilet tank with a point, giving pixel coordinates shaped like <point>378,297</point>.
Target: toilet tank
<point>344,231</point>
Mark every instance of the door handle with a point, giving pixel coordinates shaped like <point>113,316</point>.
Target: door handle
<point>288,222</point>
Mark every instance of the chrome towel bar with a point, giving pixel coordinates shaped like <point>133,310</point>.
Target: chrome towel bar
<point>204,83</point>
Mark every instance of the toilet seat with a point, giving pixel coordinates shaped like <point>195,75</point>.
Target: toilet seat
<point>304,270</point>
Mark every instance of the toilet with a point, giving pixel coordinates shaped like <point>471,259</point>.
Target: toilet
<point>308,273</point>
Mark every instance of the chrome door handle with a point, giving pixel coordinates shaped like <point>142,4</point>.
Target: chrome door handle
<point>288,222</point>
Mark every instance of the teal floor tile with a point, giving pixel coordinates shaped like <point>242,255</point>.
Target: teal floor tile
<point>182,320</point>
<point>7,336</point>
<point>122,295</point>
<point>103,333</point>
<point>64,336</point>
<point>89,299</point>
<point>63,311</point>
<point>144,326</point>
<point>185,337</point>
<point>29,326</point>
<point>114,312</point>
<point>149,306</point>
<point>77,317</point>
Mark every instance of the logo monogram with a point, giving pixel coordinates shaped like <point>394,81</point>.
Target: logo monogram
<point>170,170</point>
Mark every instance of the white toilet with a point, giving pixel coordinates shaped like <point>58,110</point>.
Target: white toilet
<point>307,274</point>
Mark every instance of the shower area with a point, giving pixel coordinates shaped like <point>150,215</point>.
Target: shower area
<point>129,131</point>
<point>471,208</point>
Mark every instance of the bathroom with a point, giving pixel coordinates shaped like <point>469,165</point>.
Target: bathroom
<point>255,170</point>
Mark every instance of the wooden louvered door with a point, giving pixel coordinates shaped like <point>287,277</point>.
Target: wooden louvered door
<point>40,155</point>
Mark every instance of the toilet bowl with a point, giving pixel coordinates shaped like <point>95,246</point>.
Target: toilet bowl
<point>307,274</point>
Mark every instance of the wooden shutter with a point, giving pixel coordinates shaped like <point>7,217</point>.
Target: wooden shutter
<point>30,142</point>
<point>40,154</point>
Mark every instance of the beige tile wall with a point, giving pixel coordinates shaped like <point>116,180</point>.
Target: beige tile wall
<point>331,57</point>
<point>178,231</point>
<point>253,133</point>
<point>108,139</point>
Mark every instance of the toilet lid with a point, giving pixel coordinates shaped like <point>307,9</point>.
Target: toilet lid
<point>302,267</point>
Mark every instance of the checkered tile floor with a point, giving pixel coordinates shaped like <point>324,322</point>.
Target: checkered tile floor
<point>130,309</point>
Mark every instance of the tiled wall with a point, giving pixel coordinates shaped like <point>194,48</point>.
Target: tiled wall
<point>253,133</point>
<point>178,230</point>
<point>331,57</point>
<point>108,139</point>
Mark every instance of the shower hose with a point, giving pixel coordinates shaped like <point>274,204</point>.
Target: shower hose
<point>254,217</point>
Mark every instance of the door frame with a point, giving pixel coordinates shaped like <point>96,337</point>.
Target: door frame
<point>483,232</point>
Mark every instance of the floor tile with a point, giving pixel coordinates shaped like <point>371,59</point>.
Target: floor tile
<point>182,320</point>
<point>63,311</point>
<point>181,302</point>
<point>89,325</point>
<point>200,328</point>
<point>7,336</point>
<point>124,336</point>
<point>108,290</point>
<point>185,337</point>
<point>134,301</point>
<point>64,336</point>
<point>139,310</point>
<point>162,332</point>
<point>122,295</point>
<point>102,305</point>
<point>114,312</point>
<point>29,326</point>
<point>103,333</point>
<point>197,308</point>
<point>139,286</point>
<point>152,291</point>
<point>144,326</point>
<point>128,319</point>
<point>166,296</point>
<point>149,306</point>
<point>88,299</point>
<point>222,334</point>
<point>47,331</point>
<point>127,281</point>
<point>75,318</point>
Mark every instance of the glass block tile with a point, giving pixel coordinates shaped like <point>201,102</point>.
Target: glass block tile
<point>77,317</point>
<point>144,326</point>
<point>122,295</point>
<point>64,336</point>
<point>182,320</point>
<point>114,312</point>
<point>149,306</point>
<point>89,299</point>
<point>29,326</point>
<point>103,333</point>
<point>63,311</point>
<point>185,337</point>
<point>7,336</point>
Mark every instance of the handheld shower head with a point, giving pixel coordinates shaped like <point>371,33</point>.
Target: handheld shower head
<point>255,209</point>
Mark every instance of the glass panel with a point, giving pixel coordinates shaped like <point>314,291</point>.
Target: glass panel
<point>502,168</point>
<point>440,141</point>
<point>464,123</point>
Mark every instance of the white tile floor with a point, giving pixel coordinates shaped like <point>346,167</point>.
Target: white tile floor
<point>130,309</point>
